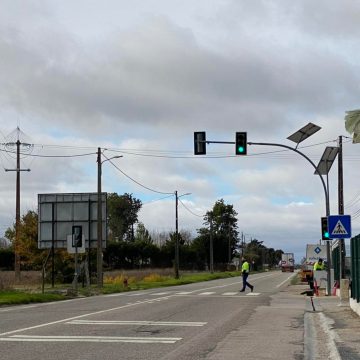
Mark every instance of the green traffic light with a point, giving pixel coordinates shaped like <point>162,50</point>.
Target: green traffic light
<point>326,234</point>
<point>240,149</point>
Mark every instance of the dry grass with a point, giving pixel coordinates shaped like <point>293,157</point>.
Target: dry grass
<point>32,279</point>
<point>28,280</point>
<point>137,275</point>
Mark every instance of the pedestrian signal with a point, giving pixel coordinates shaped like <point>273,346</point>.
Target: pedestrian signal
<point>241,143</point>
<point>77,236</point>
<point>324,229</point>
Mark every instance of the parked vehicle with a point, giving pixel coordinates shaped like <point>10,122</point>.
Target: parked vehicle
<point>287,262</point>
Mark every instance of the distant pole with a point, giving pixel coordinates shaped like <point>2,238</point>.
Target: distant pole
<point>229,253</point>
<point>211,247</point>
<point>242,244</point>
<point>99,225</point>
<point>176,237</point>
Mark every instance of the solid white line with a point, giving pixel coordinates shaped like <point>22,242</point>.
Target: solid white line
<point>147,323</point>
<point>141,340</point>
<point>286,280</point>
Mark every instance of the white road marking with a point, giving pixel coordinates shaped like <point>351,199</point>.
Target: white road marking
<point>145,323</point>
<point>230,293</point>
<point>77,317</point>
<point>111,339</point>
<point>160,293</point>
<point>183,293</point>
<point>253,294</point>
<point>207,293</point>
<point>286,280</point>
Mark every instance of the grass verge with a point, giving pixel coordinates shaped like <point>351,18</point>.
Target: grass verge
<point>113,285</point>
<point>12,297</point>
<point>163,281</point>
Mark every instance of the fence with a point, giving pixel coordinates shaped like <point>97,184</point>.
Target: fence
<point>355,268</point>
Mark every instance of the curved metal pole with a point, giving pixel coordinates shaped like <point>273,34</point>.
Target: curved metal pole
<point>327,205</point>
<point>309,160</point>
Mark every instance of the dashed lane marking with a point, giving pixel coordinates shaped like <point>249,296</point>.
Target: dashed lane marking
<point>207,293</point>
<point>230,293</point>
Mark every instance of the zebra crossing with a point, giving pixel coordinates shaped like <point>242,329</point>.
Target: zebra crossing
<point>198,293</point>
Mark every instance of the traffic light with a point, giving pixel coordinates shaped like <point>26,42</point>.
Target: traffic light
<point>324,228</point>
<point>77,236</point>
<point>241,143</point>
<point>200,143</point>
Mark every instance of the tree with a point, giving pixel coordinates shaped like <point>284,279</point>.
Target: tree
<point>224,231</point>
<point>122,216</point>
<point>30,255</point>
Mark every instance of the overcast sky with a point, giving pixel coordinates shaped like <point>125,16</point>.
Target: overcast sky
<point>139,77</point>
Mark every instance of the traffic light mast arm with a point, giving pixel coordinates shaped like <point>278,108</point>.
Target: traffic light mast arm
<point>309,160</point>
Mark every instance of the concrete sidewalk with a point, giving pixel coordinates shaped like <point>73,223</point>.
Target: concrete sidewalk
<point>339,328</point>
<point>289,328</point>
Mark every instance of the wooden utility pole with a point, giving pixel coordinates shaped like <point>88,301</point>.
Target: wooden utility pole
<point>18,144</point>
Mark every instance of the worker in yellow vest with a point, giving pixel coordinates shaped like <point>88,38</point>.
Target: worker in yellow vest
<point>245,268</point>
<point>319,265</point>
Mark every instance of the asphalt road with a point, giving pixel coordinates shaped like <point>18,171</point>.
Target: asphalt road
<point>197,321</point>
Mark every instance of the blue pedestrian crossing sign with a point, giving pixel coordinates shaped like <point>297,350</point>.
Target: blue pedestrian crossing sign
<point>339,226</point>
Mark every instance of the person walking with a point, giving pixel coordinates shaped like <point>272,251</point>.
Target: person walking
<point>245,273</point>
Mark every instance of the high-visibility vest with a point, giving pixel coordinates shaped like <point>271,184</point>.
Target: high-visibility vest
<point>245,267</point>
<point>318,266</point>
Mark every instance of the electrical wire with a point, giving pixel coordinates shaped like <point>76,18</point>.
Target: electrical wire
<point>136,182</point>
<point>191,212</point>
<point>49,156</point>
<point>152,201</point>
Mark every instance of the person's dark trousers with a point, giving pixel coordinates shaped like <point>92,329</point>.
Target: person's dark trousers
<point>245,283</point>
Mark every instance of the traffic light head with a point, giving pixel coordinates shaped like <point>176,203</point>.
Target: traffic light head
<point>200,143</point>
<point>241,143</point>
<point>324,229</point>
<point>77,236</point>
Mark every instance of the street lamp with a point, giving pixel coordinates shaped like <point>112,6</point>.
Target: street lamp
<point>323,168</point>
<point>298,137</point>
<point>177,233</point>
<point>99,219</point>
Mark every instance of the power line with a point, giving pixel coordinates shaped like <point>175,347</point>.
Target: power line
<point>201,216</point>
<point>49,156</point>
<point>152,201</point>
<point>136,182</point>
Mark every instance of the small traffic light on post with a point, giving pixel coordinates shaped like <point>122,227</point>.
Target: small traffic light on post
<point>324,229</point>
<point>77,236</point>
<point>200,143</point>
<point>241,143</point>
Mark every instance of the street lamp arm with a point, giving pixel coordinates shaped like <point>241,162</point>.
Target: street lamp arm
<point>114,157</point>
<point>308,159</point>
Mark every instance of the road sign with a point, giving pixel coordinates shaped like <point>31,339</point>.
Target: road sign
<point>339,226</point>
